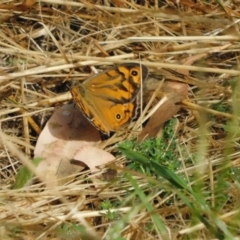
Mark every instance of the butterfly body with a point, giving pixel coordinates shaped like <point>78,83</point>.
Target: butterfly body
<point>109,99</point>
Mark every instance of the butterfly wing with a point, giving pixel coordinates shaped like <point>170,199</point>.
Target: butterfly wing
<point>119,84</point>
<point>108,99</point>
<point>116,117</point>
<point>79,94</point>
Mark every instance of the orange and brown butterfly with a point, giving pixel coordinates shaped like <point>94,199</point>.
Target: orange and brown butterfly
<point>109,99</point>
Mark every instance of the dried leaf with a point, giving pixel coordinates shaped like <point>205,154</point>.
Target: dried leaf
<point>68,134</point>
<point>93,156</point>
<point>175,92</point>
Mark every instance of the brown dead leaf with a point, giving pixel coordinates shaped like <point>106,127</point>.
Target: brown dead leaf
<point>68,135</point>
<point>93,156</point>
<point>175,93</point>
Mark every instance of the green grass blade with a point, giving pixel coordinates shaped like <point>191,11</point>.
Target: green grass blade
<point>24,176</point>
<point>151,210</point>
<point>160,169</point>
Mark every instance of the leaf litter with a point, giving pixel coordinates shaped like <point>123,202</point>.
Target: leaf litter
<point>192,47</point>
<point>66,136</point>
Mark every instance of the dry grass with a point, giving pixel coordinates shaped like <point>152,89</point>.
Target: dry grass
<point>47,45</point>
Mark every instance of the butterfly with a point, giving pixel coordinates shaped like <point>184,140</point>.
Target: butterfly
<point>109,99</point>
